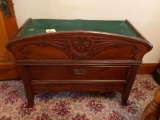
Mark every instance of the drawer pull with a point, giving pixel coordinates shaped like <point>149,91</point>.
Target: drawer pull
<point>79,71</point>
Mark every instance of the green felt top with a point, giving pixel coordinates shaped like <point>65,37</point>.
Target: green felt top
<point>38,26</point>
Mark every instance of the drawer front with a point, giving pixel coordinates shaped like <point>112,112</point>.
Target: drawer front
<point>50,88</point>
<point>79,72</point>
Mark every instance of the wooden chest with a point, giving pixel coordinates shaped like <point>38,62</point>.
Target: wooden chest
<point>82,55</point>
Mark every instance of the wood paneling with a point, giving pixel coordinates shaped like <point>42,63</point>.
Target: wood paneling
<point>8,27</point>
<point>9,71</point>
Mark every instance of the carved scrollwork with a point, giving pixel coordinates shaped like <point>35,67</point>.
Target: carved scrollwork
<point>83,47</point>
<point>135,51</point>
<point>24,51</point>
<point>43,44</point>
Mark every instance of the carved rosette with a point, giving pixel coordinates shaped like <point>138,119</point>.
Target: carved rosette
<point>81,47</point>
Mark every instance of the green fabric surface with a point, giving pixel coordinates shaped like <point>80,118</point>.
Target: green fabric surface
<point>38,26</point>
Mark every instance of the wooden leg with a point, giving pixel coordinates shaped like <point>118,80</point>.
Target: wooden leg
<point>127,90</point>
<point>28,90</point>
<point>30,101</point>
<point>124,99</point>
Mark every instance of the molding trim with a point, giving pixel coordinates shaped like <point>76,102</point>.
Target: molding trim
<point>148,68</point>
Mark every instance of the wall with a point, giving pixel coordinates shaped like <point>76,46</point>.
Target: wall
<point>143,14</point>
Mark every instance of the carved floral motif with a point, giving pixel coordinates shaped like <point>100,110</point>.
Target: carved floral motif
<point>83,47</point>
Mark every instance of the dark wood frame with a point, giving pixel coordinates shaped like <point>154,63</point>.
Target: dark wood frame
<point>112,60</point>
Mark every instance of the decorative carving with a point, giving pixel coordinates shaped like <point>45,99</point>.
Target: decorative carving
<point>83,47</point>
<point>43,44</point>
<point>24,51</point>
<point>135,51</point>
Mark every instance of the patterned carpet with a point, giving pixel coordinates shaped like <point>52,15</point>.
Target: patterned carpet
<point>75,105</point>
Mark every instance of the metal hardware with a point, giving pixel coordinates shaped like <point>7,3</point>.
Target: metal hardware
<point>79,71</point>
<point>5,8</point>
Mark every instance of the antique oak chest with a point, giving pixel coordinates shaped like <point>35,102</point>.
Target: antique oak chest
<point>82,55</point>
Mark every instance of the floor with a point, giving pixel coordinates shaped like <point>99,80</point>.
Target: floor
<point>75,105</point>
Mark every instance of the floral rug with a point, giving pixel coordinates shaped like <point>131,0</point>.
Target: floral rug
<point>75,105</point>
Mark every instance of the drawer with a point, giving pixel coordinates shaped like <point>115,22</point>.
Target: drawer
<point>54,88</point>
<point>78,72</point>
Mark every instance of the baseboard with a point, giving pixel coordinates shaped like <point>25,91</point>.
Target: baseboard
<point>148,68</point>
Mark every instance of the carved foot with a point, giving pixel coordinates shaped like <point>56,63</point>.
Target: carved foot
<point>30,104</point>
<point>124,103</point>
